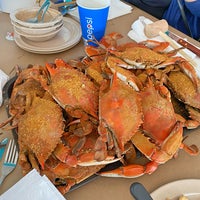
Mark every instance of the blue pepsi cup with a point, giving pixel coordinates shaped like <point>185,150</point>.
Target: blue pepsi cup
<point>93,15</point>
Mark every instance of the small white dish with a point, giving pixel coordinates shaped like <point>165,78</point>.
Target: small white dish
<point>21,16</point>
<point>38,37</point>
<point>69,35</point>
<point>187,187</point>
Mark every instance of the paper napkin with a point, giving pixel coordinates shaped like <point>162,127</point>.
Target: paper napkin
<point>117,9</point>
<point>33,187</point>
<point>3,79</point>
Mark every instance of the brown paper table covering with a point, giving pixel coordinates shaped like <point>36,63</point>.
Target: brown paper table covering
<point>184,166</point>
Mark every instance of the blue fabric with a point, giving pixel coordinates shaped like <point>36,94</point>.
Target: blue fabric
<point>153,7</point>
<point>192,12</point>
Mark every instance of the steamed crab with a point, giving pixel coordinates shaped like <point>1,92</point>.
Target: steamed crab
<point>119,114</point>
<point>75,93</point>
<point>42,124</point>
<point>186,89</point>
<point>25,89</point>
<point>160,135</point>
<point>96,112</point>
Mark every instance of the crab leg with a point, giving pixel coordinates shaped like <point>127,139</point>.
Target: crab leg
<point>192,150</point>
<point>130,171</point>
<point>155,45</point>
<point>157,155</point>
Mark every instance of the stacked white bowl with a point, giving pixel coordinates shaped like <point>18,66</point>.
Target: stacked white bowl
<point>40,31</point>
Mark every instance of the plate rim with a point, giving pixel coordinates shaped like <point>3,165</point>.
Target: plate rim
<point>39,50</point>
<point>177,188</point>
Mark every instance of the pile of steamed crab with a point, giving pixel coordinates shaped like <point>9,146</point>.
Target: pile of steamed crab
<point>74,117</point>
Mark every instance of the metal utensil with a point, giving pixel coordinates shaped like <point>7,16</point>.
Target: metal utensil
<point>175,46</point>
<point>184,43</point>
<point>10,160</point>
<point>139,192</point>
<point>42,9</point>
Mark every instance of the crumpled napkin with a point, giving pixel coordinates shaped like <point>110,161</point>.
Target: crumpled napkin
<point>33,187</point>
<point>137,34</point>
<point>137,30</point>
<point>3,79</point>
<point>117,9</point>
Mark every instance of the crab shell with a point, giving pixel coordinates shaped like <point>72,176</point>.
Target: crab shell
<point>120,112</point>
<point>23,94</point>
<point>140,56</point>
<point>159,115</point>
<point>184,88</point>
<point>25,88</point>
<point>40,129</point>
<point>73,90</point>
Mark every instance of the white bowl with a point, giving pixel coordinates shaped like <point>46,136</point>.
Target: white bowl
<point>21,16</point>
<point>38,38</point>
<point>36,31</point>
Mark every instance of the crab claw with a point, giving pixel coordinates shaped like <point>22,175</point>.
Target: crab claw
<point>129,171</point>
<point>156,45</point>
<point>110,40</point>
<point>132,170</point>
<point>192,150</point>
<point>117,66</point>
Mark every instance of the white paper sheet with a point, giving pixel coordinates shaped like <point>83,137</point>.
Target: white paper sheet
<point>117,8</point>
<point>33,187</point>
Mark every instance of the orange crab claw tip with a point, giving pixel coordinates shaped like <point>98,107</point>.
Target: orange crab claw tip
<point>62,63</point>
<point>58,63</point>
<point>65,189</point>
<point>42,164</point>
<point>192,150</point>
<point>50,68</point>
<point>151,167</point>
<point>71,160</point>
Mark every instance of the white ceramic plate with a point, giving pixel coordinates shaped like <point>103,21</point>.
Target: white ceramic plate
<point>37,38</point>
<point>36,31</point>
<point>188,187</point>
<point>68,36</point>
